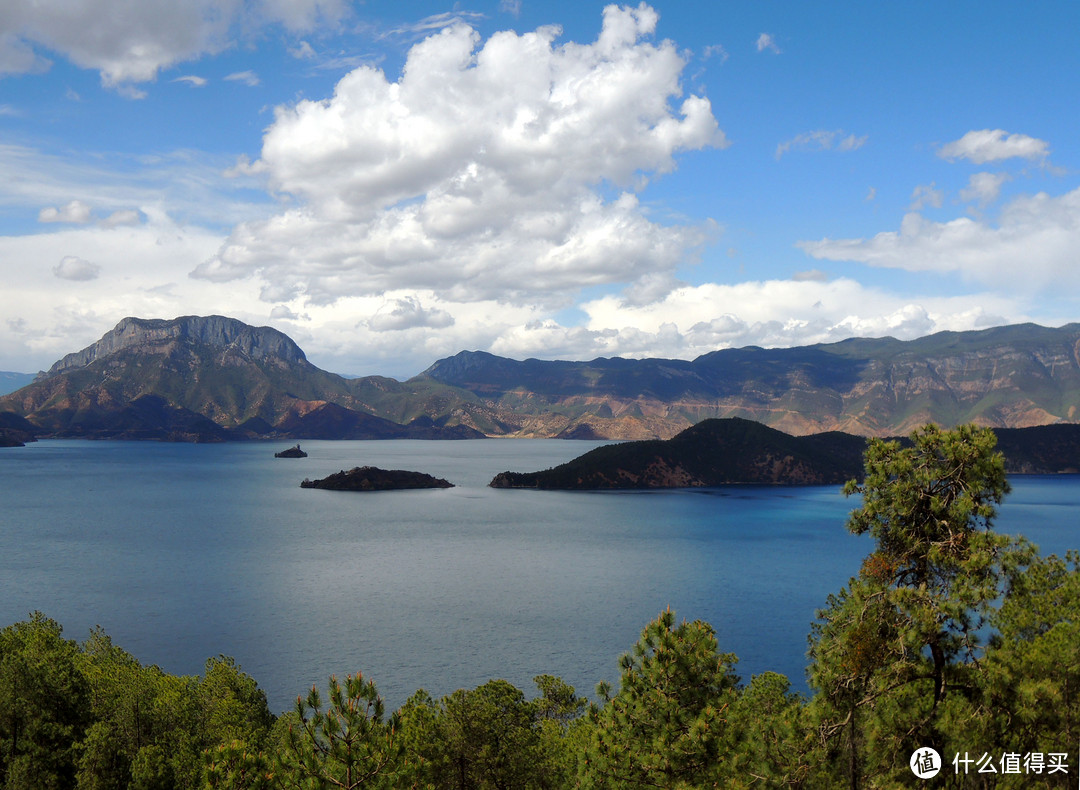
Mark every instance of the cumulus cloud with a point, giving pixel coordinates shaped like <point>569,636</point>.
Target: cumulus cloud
<point>130,41</point>
<point>18,57</point>
<point>192,80</point>
<point>408,313</point>
<point>478,174</point>
<point>75,212</point>
<point>126,41</point>
<point>302,15</point>
<point>76,269</point>
<point>1031,246</point>
<point>821,140</point>
<point>994,145</point>
<point>650,288</point>
<point>766,42</point>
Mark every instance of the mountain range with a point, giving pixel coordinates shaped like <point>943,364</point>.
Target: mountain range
<point>216,378</point>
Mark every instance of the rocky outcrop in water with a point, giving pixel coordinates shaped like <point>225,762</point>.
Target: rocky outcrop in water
<point>371,478</point>
<point>292,452</point>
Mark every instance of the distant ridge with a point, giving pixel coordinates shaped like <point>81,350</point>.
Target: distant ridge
<point>1012,376</point>
<point>9,381</point>
<point>255,382</point>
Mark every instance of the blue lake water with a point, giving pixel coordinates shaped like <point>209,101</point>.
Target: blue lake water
<point>182,552</point>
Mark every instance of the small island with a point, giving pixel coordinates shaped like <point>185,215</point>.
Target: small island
<point>292,452</point>
<point>371,478</point>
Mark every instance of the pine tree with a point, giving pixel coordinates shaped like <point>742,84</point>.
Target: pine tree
<point>890,649</point>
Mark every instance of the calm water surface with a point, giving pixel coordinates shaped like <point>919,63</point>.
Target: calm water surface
<point>184,551</point>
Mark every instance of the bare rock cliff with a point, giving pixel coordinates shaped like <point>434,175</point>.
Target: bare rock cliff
<point>216,331</point>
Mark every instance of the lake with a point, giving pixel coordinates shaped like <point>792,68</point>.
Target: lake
<point>186,551</point>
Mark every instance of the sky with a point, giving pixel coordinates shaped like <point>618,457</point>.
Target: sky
<point>390,183</point>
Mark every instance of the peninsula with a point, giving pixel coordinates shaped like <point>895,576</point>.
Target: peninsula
<point>719,452</point>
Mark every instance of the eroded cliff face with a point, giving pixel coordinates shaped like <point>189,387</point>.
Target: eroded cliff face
<point>215,367</point>
<point>161,336</point>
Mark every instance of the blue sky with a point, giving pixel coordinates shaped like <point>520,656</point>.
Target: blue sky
<point>390,183</point>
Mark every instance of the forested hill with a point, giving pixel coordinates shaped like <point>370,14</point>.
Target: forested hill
<point>723,451</point>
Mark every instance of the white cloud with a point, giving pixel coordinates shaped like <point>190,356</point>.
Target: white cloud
<point>249,78</point>
<point>435,22</point>
<point>303,15</point>
<point>821,140</point>
<point>477,173</point>
<point>408,313</point>
<point>192,185</point>
<point>715,51</point>
<point>994,145</point>
<point>122,217</point>
<point>75,212</point>
<point>695,320</point>
<point>512,7</point>
<point>131,41</point>
<point>73,268</point>
<point>127,41</point>
<point>766,42</point>
<point>102,274</point>
<point>926,195</point>
<point>1031,247</point>
<point>302,51</point>
<point>283,312</point>
<point>192,80</point>
<point>984,188</point>
<point>16,55</point>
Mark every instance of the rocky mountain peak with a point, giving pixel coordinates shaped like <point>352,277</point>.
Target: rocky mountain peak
<point>215,331</point>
